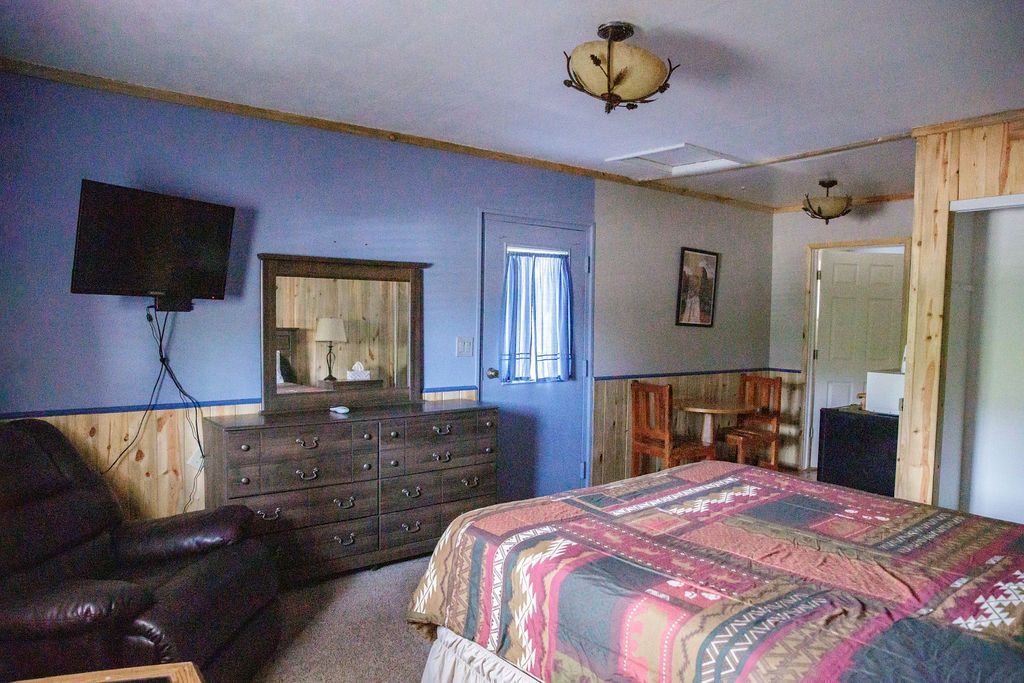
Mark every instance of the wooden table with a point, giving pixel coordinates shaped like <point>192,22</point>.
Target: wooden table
<point>180,672</point>
<point>710,408</point>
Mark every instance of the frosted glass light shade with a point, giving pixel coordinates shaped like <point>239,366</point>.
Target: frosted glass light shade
<point>331,330</point>
<point>640,72</point>
<point>827,207</point>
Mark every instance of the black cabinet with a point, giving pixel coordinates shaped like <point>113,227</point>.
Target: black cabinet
<point>858,449</point>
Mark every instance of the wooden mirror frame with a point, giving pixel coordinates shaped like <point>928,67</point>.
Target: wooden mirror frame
<point>275,265</point>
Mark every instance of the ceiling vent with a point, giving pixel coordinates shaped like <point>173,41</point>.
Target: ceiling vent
<point>673,162</point>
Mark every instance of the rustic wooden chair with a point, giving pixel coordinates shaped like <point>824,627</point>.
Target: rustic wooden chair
<point>760,428</point>
<point>652,429</point>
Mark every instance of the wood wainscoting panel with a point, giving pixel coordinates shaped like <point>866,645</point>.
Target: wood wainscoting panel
<point>154,478</point>
<point>612,432</point>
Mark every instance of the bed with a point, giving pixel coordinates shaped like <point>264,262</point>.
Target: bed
<point>718,572</point>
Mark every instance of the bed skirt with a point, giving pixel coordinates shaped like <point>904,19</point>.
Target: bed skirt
<point>453,659</point>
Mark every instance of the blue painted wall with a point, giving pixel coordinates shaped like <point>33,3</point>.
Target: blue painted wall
<point>297,190</point>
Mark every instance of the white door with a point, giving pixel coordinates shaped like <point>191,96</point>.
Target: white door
<point>859,327</point>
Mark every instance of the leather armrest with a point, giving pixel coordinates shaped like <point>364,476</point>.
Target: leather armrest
<point>192,533</point>
<point>71,607</point>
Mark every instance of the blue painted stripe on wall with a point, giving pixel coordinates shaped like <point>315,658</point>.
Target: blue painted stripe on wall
<point>171,406</point>
<point>695,372</point>
<point>124,409</point>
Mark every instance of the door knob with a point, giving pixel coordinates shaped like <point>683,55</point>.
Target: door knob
<point>492,373</point>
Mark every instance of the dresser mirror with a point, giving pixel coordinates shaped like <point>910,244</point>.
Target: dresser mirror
<point>340,332</point>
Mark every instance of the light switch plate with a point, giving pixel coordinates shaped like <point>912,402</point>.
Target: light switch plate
<point>464,347</point>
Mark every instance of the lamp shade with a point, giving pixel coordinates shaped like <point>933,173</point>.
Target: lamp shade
<point>331,330</point>
<point>827,207</point>
<point>636,73</point>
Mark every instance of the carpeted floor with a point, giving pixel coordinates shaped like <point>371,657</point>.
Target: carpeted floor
<point>351,628</point>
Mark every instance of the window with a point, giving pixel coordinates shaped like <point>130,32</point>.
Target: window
<point>536,344</point>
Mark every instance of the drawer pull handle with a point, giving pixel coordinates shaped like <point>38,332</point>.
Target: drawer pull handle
<point>443,431</point>
<point>245,447</point>
<point>413,494</point>
<point>489,423</point>
<point>308,477</point>
<point>393,463</point>
<point>367,436</point>
<point>276,514</point>
<point>471,483</point>
<point>348,540</point>
<point>245,481</point>
<point>314,444</point>
<point>367,467</point>
<point>488,450</point>
<point>394,434</point>
<point>411,529</point>
<point>447,457</point>
<point>345,504</point>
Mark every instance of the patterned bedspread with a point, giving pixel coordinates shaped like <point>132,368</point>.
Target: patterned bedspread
<point>720,572</point>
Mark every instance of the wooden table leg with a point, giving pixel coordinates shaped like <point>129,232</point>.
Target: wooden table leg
<point>707,432</point>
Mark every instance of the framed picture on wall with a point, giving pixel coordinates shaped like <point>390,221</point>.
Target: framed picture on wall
<point>698,282</point>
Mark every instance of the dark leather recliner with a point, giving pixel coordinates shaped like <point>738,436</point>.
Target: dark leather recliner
<point>81,589</point>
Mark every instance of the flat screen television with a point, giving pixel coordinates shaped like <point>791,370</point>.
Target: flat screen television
<point>136,243</point>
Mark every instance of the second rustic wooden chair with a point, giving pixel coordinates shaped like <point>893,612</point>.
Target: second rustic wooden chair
<point>652,429</point>
<point>760,428</point>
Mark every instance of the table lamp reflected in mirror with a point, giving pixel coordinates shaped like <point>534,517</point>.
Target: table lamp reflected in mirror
<point>330,330</point>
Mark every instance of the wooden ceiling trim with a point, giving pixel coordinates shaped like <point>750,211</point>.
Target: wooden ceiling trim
<point>145,92</point>
<point>1008,116</point>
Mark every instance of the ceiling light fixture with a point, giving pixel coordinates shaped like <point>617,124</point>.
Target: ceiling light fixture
<point>826,208</point>
<point>626,76</point>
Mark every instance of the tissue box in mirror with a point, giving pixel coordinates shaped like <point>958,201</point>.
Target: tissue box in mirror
<point>358,372</point>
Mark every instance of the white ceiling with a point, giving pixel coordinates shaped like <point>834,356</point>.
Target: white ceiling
<point>759,78</point>
<point>885,169</point>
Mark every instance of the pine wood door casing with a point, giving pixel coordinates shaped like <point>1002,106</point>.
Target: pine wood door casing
<point>961,161</point>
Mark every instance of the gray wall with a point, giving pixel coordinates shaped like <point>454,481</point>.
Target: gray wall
<point>791,233</point>
<point>993,461</point>
<point>639,234</point>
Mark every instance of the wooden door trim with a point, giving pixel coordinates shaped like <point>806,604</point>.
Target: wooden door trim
<point>809,286</point>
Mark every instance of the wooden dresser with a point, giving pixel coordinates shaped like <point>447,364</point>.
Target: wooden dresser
<point>337,492</point>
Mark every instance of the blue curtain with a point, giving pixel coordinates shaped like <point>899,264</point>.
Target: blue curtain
<point>536,345</point>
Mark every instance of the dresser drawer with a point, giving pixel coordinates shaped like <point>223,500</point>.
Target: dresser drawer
<point>296,509</point>
<point>392,434</point>
<point>306,472</point>
<point>452,510</point>
<point>242,480</point>
<point>439,429</point>
<point>487,423</point>
<point>242,447</point>
<point>410,491</point>
<point>364,436</point>
<point>392,463</point>
<point>441,456</point>
<point>323,542</point>
<point>301,442</point>
<point>364,465</point>
<point>468,482</point>
<point>410,526</point>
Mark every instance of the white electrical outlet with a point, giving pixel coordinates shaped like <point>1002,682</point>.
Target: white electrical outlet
<point>464,347</point>
<point>196,461</point>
